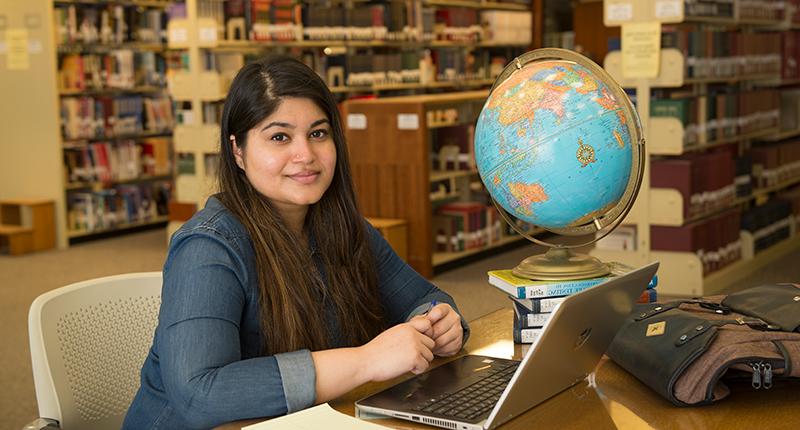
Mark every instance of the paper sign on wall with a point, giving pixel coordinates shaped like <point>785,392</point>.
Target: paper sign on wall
<point>207,34</point>
<point>618,12</point>
<point>178,35</point>
<point>641,49</point>
<point>408,121</point>
<point>356,121</point>
<point>17,57</point>
<point>669,10</point>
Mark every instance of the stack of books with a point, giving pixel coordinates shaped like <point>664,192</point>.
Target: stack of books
<point>535,301</point>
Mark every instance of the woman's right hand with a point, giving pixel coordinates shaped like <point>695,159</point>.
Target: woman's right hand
<point>400,349</point>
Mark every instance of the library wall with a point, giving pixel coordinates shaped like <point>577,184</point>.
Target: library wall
<point>30,165</point>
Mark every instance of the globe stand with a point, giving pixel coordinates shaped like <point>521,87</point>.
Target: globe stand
<point>560,264</point>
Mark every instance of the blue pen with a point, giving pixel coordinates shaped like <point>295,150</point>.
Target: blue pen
<point>433,303</point>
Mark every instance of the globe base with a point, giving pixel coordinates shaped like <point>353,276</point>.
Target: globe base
<point>560,264</point>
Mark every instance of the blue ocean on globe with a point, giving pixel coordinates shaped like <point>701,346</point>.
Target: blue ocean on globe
<point>552,145</point>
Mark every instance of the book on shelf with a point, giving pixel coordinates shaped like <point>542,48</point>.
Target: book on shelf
<point>472,225</point>
<point>522,288</point>
<point>793,197</point>
<point>715,240</point>
<point>511,27</point>
<point>776,163</point>
<point>117,161</point>
<point>705,181</point>
<point>108,23</point>
<point>720,53</point>
<point>122,204</point>
<point>769,224</point>
<point>106,117</point>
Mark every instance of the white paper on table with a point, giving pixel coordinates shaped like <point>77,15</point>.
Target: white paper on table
<point>319,417</point>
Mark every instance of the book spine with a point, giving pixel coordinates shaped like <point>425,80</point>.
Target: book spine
<point>541,306</point>
<point>527,335</point>
<point>560,289</point>
<point>524,318</point>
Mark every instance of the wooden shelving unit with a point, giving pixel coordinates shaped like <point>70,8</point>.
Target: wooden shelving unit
<point>393,179</point>
<point>681,273</point>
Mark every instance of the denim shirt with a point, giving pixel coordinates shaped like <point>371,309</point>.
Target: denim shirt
<point>205,367</point>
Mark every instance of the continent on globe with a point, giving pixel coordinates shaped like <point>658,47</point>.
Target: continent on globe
<point>552,144</point>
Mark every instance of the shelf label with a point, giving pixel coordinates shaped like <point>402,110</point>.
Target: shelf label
<point>669,10</point>
<point>618,12</point>
<point>207,34</point>
<point>408,121</point>
<point>641,49</point>
<point>356,121</point>
<point>178,35</point>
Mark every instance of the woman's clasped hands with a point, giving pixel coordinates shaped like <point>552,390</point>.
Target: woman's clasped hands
<point>411,346</point>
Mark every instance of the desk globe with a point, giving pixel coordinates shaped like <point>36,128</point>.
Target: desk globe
<point>559,145</point>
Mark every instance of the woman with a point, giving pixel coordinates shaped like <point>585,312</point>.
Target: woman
<point>278,295</point>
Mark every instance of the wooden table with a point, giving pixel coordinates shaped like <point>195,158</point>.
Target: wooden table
<point>613,399</point>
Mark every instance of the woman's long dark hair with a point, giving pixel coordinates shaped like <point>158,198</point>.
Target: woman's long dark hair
<point>292,290</point>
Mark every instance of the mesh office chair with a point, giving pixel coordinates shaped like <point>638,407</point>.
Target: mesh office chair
<point>88,343</point>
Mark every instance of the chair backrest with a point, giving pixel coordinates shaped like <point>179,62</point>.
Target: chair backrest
<point>88,343</point>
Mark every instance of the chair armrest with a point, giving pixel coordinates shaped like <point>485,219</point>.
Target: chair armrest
<point>42,424</point>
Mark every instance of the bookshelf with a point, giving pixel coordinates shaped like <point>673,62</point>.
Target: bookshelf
<point>423,164</point>
<point>116,116</point>
<point>379,49</point>
<point>734,226</point>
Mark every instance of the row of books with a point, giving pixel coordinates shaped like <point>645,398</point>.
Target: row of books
<point>460,226</point>
<point>765,10</point>
<point>724,54</point>
<point>769,224</point>
<point>118,69</point>
<point>790,50</point>
<point>119,161</point>
<point>715,240</point>
<point>535,301</point>
<point>287,20</point>
<point>709,8</point>
<point>705,181</point>
<point>120,205</point>
<point>109,23</point>
<point>776,163</point>
<point>790,110</point>
<point>452,148</point>
<point>743,175</point>
<point>105,117</point>
<point>457,114</point>
<point>378,69</point>
<point>402,67</point>
<point>793,197</point>
<point>721,113</point>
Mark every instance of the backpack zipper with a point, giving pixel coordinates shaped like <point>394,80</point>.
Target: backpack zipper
<point>762,374</point>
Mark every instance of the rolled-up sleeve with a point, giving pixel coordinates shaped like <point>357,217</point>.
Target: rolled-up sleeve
<point>299,384</point>
<point>404,292</point>
<point>198,340</point>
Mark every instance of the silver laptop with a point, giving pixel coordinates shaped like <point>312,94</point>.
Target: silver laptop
<point>476,392</point>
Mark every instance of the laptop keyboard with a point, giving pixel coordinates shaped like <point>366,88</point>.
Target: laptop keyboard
<point>473,400</point>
